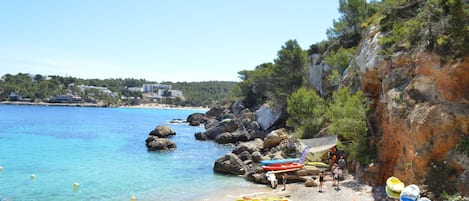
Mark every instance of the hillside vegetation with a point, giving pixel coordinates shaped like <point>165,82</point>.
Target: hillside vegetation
<point>393,87</point>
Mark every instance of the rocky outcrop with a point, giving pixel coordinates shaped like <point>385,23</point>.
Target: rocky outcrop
<point>229,123</point>
<point>162,132</point>
<point>196,119</point>
<point>230,164</point>
<point>419,114</point>
<point>274,138</point>
<point>157,139</point>
<point>155,143</point>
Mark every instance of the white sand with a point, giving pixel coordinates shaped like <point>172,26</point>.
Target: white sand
<point>350,191</point>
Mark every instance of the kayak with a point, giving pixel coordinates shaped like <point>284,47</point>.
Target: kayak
<point>279,161</point>
<point>317,164</point>
<point>284,166</point>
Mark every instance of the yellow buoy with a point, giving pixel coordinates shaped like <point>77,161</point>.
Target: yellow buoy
<point>133,198</point>
<point>75,186</point>
<point>33,177</point>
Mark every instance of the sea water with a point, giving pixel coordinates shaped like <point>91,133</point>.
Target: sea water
<point>103,151</point>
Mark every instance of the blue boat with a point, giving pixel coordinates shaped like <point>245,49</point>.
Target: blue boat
<point>280,161</point>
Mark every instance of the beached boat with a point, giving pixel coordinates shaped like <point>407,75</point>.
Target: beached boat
<point>283,166</point>
<point>279,161</point>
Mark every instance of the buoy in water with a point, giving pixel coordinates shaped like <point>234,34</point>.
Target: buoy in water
<point>75,186</point>
<point>1,168</point>
<point>133,198</point>
<point>33,177</point>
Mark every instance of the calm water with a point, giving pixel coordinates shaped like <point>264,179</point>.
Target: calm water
<point>102,149</point>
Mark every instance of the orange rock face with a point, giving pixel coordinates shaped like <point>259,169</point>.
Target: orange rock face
<point>420,112</point>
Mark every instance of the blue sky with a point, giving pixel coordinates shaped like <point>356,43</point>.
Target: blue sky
<point>172,40</point>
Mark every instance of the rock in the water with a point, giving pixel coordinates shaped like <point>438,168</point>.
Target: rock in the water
<point>227,125</point>
<point>230,164</point>
<point>201,136</point>
<point>196,119</point>
<point>162,131</point>
<point>155,143</point>
<point>224,138</point>
<point>178,121</point>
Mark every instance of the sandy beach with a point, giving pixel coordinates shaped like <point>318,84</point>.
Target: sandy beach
<point>350,190</point>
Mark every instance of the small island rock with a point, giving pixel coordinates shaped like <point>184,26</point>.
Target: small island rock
<point>154,143</point>
<point>162,131</point>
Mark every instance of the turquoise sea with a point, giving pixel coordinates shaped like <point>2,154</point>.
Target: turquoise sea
<point>103,150</point>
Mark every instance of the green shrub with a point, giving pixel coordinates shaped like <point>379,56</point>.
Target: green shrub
<point>463,146</point>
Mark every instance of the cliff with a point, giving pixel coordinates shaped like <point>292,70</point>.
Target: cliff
<point>419,113</point>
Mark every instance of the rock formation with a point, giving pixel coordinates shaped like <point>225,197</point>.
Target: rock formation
<point>162,132</point>
<point>157,139</point>
<point>155,143</point>
<point>419,112</point>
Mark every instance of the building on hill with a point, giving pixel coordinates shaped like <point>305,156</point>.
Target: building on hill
<point>150,88</point>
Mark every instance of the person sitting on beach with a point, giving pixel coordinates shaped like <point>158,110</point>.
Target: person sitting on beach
<point>321,181</point>
<point>284,180</point>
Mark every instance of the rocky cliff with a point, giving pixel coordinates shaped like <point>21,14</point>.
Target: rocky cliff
<point>419,113</point>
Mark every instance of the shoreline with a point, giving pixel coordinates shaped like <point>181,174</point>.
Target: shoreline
<point>143,106</point>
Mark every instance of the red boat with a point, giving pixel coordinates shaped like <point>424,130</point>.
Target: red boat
<point>284,166</point>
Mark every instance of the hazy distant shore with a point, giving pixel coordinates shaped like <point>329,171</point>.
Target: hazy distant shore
<point>52,104</point>
<point>146,105</point>
<point>164,106</point>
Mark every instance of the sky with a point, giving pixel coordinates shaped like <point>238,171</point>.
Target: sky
<point>156,40</point>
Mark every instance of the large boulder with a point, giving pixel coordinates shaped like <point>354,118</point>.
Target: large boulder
<point>266,117</point>
<point>237,107</point>
<point>230,164</point>
<point>215,111</point>
<point>227,125</point>
<point>196,119</point>
<point>251,146</point>
<point>274,138</point>
<point>201,136</point>
<point>162,131</point>
<point>154,143</point>
<point>224,138</point>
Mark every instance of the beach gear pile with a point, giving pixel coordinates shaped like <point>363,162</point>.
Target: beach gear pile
<point>396,189</point>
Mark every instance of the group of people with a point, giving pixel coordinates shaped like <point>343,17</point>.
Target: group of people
<point>336,167</point>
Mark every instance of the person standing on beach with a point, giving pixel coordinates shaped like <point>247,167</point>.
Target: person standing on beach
<point>321,181</point>
<point>273,180</point>
<point>337,176</point>
<point>284,180</point>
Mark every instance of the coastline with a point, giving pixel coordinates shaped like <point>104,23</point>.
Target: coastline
<point>144,106</point>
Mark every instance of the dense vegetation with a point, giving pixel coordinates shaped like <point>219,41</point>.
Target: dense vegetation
<point>38,88</point>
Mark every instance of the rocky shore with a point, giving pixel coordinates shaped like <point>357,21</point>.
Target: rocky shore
<point>258,135</point>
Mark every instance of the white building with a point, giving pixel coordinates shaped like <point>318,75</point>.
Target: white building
<point>150,88</point>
